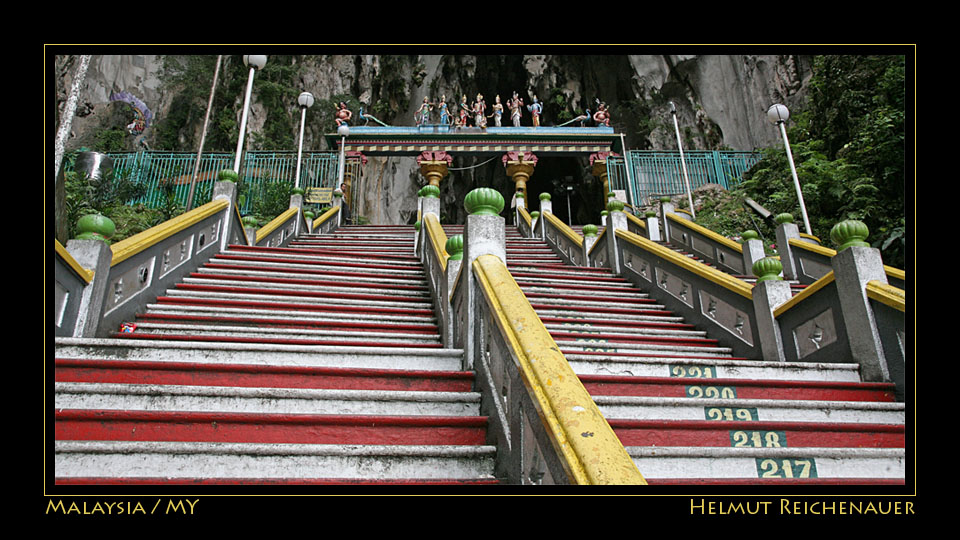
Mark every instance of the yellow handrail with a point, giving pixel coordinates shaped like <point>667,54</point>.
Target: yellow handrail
<point>720,239</point>
<point>805,293</point>
<point>324,217</point>
<point>526,216</point>
<point>84,273</point>
<point>827,252</point>
<point>564,228</point>
<point>437,237</point>
<point>129,247</point>
<point>590,450</point>
<point>277,222</point>
<point>720,278</point>
<point>887,294</point>
<point>637,221</point>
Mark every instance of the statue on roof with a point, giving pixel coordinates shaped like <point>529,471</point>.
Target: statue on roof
<point>602,116</point>
<point>497,111</point>
<point>464,111</point>
<point>444,112</point>
<point>479,111</point>
<point>343,115</point>
<point>535,109</point>
<point>515,105</point>
<point>422,116</point>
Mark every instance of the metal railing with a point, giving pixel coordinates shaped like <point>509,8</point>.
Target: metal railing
<point>174,170</point>
<point>643,173</point>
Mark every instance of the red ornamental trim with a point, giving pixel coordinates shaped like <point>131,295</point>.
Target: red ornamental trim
<point>602,156</point>
<point>525,157</point>
<point>356,155</point>
<point>435,156</point>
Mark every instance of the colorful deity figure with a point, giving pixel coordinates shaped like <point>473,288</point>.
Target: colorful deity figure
<point>515,105</point>
<point>444,112</point>
<point>497,112</point>
<point>343,115</point>
<point>422,116</point>
<point>602,116</point>
<point>464,111</point>
<point>479,111</point>
<point>535,109</point>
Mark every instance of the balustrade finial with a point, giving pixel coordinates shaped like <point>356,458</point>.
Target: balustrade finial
<point>849,233</point>
<point>483,202</point>
<point>767,269</point>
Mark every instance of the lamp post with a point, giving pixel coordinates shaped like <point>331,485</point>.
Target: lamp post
<point>778,114</point>
<point>344,132</point>
<point>683,163</point>
<point>305,100</point>
<point>255,62</point>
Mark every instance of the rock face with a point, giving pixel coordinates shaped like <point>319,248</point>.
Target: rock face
<point>721,102</point>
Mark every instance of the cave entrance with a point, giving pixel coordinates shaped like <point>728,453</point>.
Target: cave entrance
<point>575,193</point>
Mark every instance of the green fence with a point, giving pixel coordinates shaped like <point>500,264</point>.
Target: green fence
<point>174,170</point>
<point>643,173</point>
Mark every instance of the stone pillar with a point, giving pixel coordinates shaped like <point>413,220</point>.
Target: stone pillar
<point>546,206</point>
<point>454,248</point>
<point>226,189</point>
<point>769,292</point>
<point>483,234</point>
<point>296,201</point>
<point>589,239</point>
<point>653,227</point>
<point>434,166</point>
<point>786,231</point>
<point>519,168</point>
<point>752,248</point>
<point>854,265</point>
<point>91,250</point>
<point>250,227</point>
<point>616,219</point>
<point>666,207</point>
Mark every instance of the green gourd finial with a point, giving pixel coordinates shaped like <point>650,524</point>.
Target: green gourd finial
<point>767,269</point>
<point>534,214</point>
<point>228,175</point>
<point>544,196</point>
<point>454,247</point>
<point>589,230</point>
<point>749,235</point>
<point>613,205</point>
<point>430,191</point>
<point>95,227</point>
<point>849,233</point>
<point>783,218</point>
<point>483,202</point>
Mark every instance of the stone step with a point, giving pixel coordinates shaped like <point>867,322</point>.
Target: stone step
<point>293,334</point>
<point>260,354</point>
<point>751,464</point>
<point>293,284</point>
<point>296,318</point>
<point>264,463</point>
<point>262,400</point>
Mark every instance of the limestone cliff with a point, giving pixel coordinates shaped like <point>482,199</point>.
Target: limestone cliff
<point>721,102</point>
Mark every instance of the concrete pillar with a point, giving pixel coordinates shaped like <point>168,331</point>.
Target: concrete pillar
<point>296,201</point>
<point>93,255</point>
<point>854,265</point>
<point>666,207</point>
<point>546,205</point>
<point>589,239</point>
<point>483,234</point>
<point>769,292</point>
<point>653,227</point>
<point>786,231</point>
<point>616,219</point>
<point>752,248</point>
<point>225,190</point>
<point>454,248</point>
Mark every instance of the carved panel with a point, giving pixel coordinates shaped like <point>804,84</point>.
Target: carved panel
<point>729,318</point>
<point>638,265</point>
<point>129,284</point>
<point>676,287</point>
<point>177,253</point>
<point>702,247</point>
<point>814,334</point>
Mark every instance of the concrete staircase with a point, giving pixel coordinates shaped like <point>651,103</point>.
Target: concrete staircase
<point>320,363</point>
<point>689,412</point>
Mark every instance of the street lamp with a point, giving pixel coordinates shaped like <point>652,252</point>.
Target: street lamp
<point>778,114</point>
<point>305,100</point>
<point>255,62</point>
<point>683,163</point>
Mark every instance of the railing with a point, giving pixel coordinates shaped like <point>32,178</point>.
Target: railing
<point>155,170</point>
<point>643,174</point>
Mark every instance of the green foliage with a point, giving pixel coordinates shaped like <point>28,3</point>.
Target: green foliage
<point>848,147</point>
<point>110,140</point>
<point>273,199</point>
<point>109,195</point>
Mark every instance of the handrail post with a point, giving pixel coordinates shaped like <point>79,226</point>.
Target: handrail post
<point>94,255</point>
<point>483,234</point>
<point>769,292</point>
<point>786,231</point>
